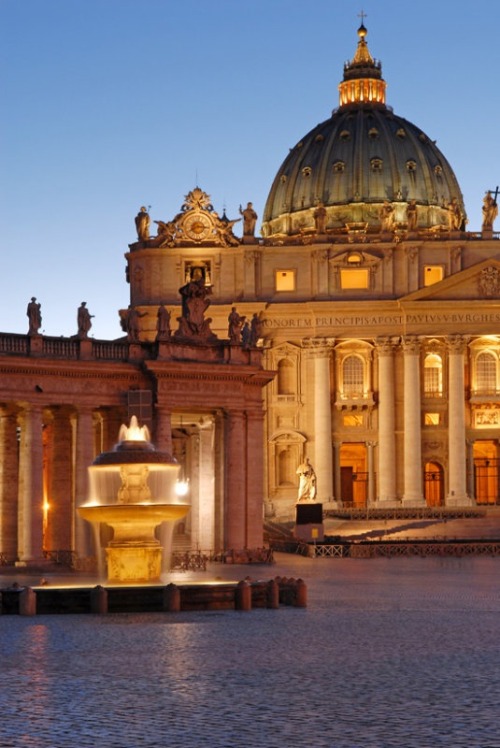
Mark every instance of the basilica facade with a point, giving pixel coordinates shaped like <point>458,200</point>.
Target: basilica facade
<point>360,331</point>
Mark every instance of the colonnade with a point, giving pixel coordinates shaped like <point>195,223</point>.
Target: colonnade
<point>45,453</point>
<point>382,453</point>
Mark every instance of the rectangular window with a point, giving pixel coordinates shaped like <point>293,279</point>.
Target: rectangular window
<point>353,419</point>
<point>354,278</point>
<point>432,419</point>
<point>285,280</point>
<point>433,274</point>
<point>140,404</point>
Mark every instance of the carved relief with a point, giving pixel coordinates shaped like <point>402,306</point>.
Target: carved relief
<point>489,282</point>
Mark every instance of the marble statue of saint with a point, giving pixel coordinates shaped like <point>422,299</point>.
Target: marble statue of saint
<point>132,324</point>
<point>163,324</point>
<point>84,320</point>
<point>307,482</point>
<point>142,224</point>
<point>490,211</point>
<point>246,335</point>
<point>386,215</point>
<point>255,330</point>
<point>34,316</point>
<point>320,218</point>
<point>411,215</point>
<point>455,217</point>
<point>249,220</point>
<point>235,323</point>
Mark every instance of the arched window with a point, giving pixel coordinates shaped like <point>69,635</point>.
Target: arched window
<point>353,377</point>
<point>486,373</point>
<point>286,377</point>
<point>433,375</point>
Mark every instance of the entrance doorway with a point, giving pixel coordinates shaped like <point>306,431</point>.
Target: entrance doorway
<point>434,484</point>
<point>353,475</point>
<point>486,472</point>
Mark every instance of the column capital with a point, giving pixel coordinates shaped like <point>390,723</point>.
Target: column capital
<point>411,345</point>
<point>456,344</point>
<point>320,347</point>
<point>386,346</point>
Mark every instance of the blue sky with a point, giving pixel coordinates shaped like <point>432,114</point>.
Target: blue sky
<point>113,104</point>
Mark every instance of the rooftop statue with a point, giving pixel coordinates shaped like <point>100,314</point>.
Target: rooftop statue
<point>320,218</point>
<point>249,220</point>
<point>490,211</point>
<point>34,316</point>
<point>162,324</point>
<point>195,302</point>
<point>142,224</point>
<point>455,216</point>
<point>84,321</point>
<point>235,325</point>
<point>386,215</point>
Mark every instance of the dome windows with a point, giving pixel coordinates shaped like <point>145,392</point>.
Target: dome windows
<point>339,167</point>
<point>438,170</point>
<point>319,138</point>
<point>401,133</point>
<point>373,133</point>
<point>306,171</point>
<point>345,135</point>
<point>411,165</point>
<point>376,164</point>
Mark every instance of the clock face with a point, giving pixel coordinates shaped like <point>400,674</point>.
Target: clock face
<point>197,227</point>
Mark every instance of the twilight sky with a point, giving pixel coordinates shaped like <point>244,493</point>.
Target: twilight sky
<point>108,105</point>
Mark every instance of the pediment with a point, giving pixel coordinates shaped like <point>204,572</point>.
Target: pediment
<point>480,282</point>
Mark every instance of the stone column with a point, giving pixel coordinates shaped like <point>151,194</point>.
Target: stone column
<point>471,488</point>
<point>413,488</point>
<point>84,456</point>
<point>9,477</point>
<point>255,478</point>
<point>371,474</point>
<point>30,525</point>
<point>386,424</point>
<point>163,431</point>
<point>457,469</point>
<point>59,520</point>
<point>323,453</point>
<point>206,505</point>
<point>236,481</point>
<point>338,482</point>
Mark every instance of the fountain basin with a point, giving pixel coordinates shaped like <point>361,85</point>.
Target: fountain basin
<point>134,554</point>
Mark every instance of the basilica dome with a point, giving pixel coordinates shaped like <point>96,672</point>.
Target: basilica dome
<point>363,161</point>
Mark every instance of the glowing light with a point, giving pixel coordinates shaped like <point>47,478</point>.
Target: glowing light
<point>182,487</point>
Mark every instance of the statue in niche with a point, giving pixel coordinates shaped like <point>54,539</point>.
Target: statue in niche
<point>84,321</point>
<point>235,324</point>
<point>411,215</point>
<point>386,216</point>
<point>249,219</point>
<point>307,481</point>
<point>455,217</point>
<point>490,211</point>
<point>320,218</point>
<point>163,331</point>
<point>142,224</point>
<point>34,316</point>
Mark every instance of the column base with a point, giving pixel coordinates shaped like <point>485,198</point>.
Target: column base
<point>457,501</point>
<point>387,504</point>
<point>413,502</point>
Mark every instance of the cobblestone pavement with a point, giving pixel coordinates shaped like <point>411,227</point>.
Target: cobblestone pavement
<point>389,652</point>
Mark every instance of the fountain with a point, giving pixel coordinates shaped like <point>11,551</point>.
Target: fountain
<point>131,490</point>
